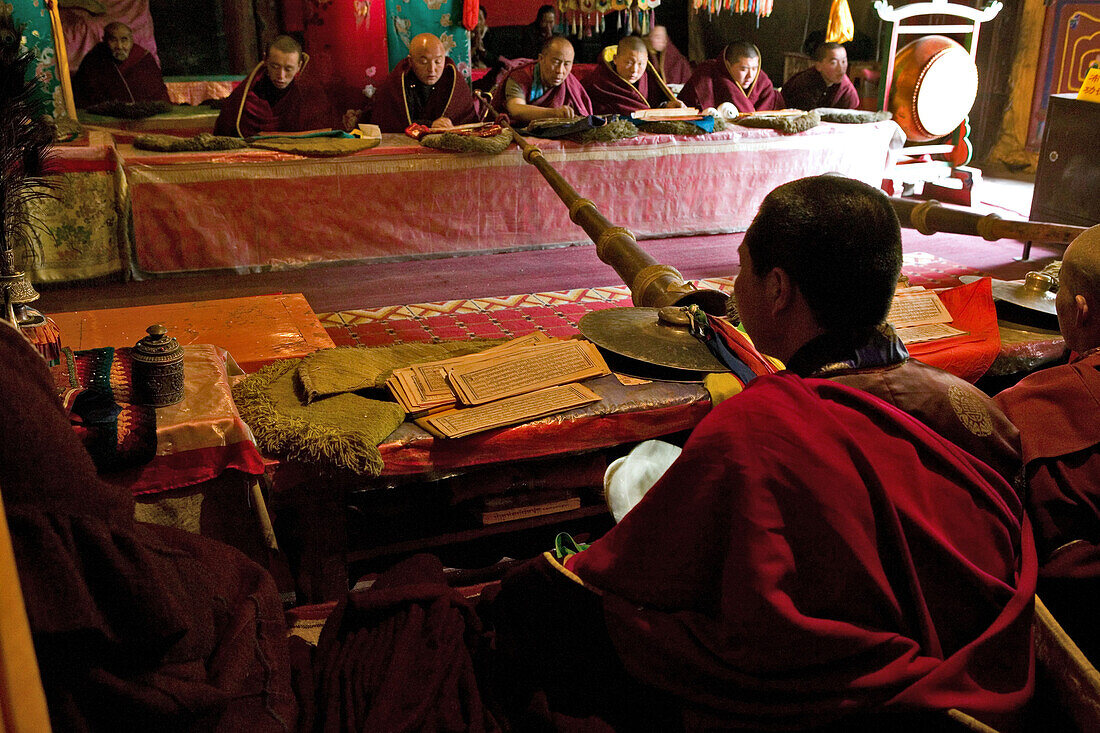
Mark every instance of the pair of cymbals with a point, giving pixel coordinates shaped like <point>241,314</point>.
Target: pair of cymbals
<point>1036,292</point>
<point>651,343</point>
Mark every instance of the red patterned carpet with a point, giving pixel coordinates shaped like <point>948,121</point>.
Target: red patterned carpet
<point>554,313</point>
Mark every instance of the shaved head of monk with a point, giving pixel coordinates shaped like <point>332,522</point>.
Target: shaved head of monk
<point>631,58</point>
<point>428,58</point>
<point>1078,300</point>
<point>555,61</point>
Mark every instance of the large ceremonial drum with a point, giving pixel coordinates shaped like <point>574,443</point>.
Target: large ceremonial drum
<point>934,87</point>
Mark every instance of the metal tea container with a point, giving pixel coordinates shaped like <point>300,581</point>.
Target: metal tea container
<point>158,368</point>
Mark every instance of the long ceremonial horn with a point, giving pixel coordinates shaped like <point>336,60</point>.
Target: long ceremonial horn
<point>929,217</point>
<point>652,285</point>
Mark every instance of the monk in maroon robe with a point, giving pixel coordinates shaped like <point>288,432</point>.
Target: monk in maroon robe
<point>734,77</point>
<point>118,70</point>
<point>275,97</point>
<point>814,557</point>
<point>672,65</point>
<point>546,88</point>
<point>424,88</point>
<point>1058,413</point>
<point>825,84</point>
<point>627,82</point>
<point>135,626</point>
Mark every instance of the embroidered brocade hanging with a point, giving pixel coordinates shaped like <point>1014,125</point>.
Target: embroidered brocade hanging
<point>583,17</point>
<point>759,8</point>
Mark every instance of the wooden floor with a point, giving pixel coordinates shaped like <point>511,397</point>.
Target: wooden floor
<point>337,287</point>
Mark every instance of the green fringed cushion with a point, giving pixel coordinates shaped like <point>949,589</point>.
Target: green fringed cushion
<point>784,124</point>
<point>341,431</point>
<point>612,131</point>
<point>130,110</point>
<point>852,116</point>
<point>351,368</point>
<point>176,144</point>
<point>492,145</point>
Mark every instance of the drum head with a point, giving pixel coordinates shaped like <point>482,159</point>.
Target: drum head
<point>935,85</point>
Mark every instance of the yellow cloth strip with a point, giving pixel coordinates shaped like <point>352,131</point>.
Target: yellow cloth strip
<point>22,701</point>
<point>62,59</point>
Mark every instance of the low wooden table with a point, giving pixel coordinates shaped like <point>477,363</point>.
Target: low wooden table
<point>255,330</point>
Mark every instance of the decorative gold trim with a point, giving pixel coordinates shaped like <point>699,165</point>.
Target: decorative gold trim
<point>919,216</point>
<point>612,232</point>
<point>985,227</point>
<point>576,206</point>
<point>649,275</point>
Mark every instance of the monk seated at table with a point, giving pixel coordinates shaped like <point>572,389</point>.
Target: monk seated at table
<point>118,70</point>
<point>825,84</point>
<point>1058,413</point>
<point>816,557</point>
<point>625,81</point>
<point>280,99</point>
<point>734,77</point>
<point>546,88</point>
<point>672,65</point>
<point>434,94</point>
<point>135,626</point>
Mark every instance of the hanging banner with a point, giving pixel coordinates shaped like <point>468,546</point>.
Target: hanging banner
<point>346,43</point>
<point>408,18</point>
<point>38,36</point>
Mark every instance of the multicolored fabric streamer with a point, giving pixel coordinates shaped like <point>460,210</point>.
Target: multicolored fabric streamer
<point>96,388</point>
<point>729,346</point>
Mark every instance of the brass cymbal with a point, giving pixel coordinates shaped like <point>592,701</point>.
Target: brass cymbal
<point>660,336</point>
<point>1034,292</point>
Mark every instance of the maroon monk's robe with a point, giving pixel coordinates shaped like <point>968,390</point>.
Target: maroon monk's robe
<point>570,92</point>
<point>102,79</point>
<point>612,94</point>
<point>807,90</point>
<point>710,85</point>
<point>135,626</point>
<point>258,106</point>
<point>393,109</point>
<point>813,553</point>
<point>1057,412</point>
<point>672,65</point>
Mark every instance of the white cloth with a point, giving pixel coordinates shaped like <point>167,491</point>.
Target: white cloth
<point>628,478</point>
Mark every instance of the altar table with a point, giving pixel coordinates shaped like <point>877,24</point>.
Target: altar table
<point>255,330</point>
<point>256,209</point>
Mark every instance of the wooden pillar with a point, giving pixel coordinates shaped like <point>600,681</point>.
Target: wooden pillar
<point>240,35</point>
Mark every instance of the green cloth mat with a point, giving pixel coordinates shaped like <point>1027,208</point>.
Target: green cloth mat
<point>342,431</point>
<point>351,368</point>
<point>315,147</point>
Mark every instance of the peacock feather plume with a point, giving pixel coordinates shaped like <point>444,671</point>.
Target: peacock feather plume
<point>26,140</point>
